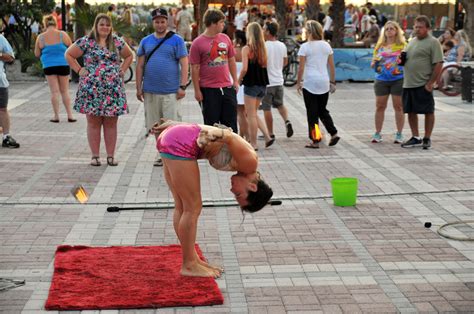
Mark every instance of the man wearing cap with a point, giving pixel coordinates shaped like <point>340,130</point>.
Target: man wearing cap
<point>162,73</point>
<point>212,58</point>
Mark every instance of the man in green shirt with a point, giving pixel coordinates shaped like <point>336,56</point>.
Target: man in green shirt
<point>424,62</point>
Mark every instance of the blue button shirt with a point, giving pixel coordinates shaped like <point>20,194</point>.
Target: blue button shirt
<point>6,49</point>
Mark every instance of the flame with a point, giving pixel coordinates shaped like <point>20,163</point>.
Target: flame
<point>316,133</point>
<point>80,194</point>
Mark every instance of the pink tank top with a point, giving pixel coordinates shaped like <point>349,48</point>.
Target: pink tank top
<point>180,140</point>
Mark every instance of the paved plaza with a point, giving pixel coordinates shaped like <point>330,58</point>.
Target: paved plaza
<point>304,256</point>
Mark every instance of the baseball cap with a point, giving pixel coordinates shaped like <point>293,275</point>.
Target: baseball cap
<point>160,12</point>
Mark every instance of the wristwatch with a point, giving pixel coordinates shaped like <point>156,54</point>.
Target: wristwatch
<point>183,87</point>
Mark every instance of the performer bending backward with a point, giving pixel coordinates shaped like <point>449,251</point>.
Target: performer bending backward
<point>180,146</point>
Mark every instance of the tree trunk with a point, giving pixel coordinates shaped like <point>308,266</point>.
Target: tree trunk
<point>280,11</point>
<point>312,9</point>
<point>79,30</point>
<point>338,23</point>
<point>469,25</point>
<point>203,5</point>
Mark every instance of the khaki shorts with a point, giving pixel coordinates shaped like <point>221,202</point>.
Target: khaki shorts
<point>159,107</point>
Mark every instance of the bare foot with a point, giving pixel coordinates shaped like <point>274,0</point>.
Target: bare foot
<point>198,270</point>
<point>216,268</point>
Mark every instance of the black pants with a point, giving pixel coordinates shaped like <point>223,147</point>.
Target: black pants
<point>219,105</point>
<point>316,110</point>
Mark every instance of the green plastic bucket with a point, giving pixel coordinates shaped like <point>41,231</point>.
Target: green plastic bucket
<point>344,191</point>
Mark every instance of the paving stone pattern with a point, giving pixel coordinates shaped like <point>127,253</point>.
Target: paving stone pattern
<point>305,256</point>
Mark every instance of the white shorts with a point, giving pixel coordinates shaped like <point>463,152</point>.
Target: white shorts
<point>240,94</point>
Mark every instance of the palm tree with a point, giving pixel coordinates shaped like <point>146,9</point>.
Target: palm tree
<point>312,9</point>
<point>280,11</point>
<point>338,22</point>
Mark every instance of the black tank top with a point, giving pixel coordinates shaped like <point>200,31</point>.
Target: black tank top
<point>256,75</point>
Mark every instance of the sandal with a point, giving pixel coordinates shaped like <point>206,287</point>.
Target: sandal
<point>312,145</point>
<point>95,161</point>
<point>111,162</point>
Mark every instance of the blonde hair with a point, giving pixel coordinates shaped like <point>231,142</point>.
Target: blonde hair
<point>256,44</point>
<point>314,30</point>
<point>49,20</point>
<point>399,39</point>
<point>94,34</point>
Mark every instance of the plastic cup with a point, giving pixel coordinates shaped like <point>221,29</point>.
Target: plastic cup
<point>344,191</point>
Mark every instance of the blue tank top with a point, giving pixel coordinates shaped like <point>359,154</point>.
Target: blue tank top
<point>53,55</point>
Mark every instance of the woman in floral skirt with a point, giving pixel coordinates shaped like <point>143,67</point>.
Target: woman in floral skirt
<point>101,93</point>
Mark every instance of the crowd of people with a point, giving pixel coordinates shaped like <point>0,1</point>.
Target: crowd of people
<point>232,80</point>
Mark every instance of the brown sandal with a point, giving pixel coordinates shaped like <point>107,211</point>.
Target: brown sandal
<point>95,161</point>
<point>111,162</point>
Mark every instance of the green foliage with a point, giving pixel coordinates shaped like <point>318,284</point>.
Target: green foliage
<point>86,16</point>
<point>25,14</point>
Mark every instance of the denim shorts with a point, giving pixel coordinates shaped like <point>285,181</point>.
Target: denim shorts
<point>255,91</point>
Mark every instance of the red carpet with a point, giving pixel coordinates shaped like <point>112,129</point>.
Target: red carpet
<point>123,277</point>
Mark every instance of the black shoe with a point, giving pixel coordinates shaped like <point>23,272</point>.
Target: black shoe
<point>426,143</point>
<point>413,142</point>
<point>289,128</point>
<point>262,137</point>
<point>10,142</point>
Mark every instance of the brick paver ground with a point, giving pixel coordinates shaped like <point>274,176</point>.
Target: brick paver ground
<point>305,256</point>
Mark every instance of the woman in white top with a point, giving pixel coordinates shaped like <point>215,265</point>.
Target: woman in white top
<point>316,55</point>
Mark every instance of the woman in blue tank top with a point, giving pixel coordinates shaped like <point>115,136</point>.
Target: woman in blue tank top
<point>50,48</point>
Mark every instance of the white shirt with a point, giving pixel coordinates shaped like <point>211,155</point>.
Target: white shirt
<point>276,52</point>
<point>316,76</point>
<point>327,23</point>
<point>241,20</point>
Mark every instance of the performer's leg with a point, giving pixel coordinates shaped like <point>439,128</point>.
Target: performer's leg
<point>185,185</point>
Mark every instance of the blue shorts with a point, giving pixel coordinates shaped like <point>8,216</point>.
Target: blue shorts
<point>255,91</point>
